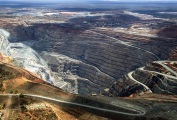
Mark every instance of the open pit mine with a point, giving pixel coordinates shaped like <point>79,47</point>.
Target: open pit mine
<point>93,62</point>
<point>75,63</point>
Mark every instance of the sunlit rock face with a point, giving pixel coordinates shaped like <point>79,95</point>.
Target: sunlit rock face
<point>91,60</point>
<point>25,57</point>
<point>157,77</point>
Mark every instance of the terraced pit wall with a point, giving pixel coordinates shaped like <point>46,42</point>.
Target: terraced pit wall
<point>103,60</point>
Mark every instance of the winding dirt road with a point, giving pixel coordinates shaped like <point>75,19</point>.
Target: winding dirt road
<point>174,78</point>
<point>136,111</point>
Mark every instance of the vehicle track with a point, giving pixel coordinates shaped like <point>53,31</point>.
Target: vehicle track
<point>139,111</point>
<point>163,65</point>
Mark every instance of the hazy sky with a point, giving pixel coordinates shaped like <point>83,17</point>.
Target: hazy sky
<point>86,0</point>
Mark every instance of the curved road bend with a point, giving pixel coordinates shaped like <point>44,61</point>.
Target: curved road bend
<point>146,87</point>
<point>166,67</point>
<point>169,76</point>
<point>163,65</point>
<point>139,112</point>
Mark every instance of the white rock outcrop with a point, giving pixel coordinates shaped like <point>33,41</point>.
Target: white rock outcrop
<point>25,57</point>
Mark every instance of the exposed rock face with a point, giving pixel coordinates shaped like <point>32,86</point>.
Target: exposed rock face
<point>92,60</point>
<point>158,77</point>
<point>148,106</point>
<point>25,57</point>
<point>85,78</point>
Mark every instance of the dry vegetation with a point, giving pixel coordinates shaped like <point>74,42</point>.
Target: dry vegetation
<point>21,113</point>
<point>21,81</point>
<point>3,100</point>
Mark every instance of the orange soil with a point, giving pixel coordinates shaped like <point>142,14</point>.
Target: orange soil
<point>4,58</point>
